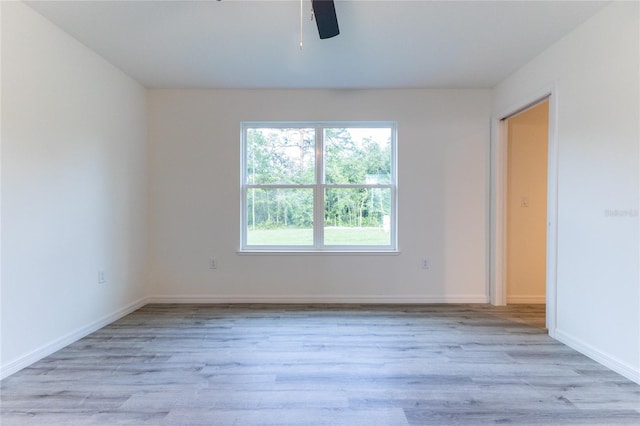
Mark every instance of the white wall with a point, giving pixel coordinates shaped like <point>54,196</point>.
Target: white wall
<point>74,189</point>
<point>596,72</point>
<point>443,139</point>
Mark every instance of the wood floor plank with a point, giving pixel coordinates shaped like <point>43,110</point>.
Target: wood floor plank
<point>320,364</point>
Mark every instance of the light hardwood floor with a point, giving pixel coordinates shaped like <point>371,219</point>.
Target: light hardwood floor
<point>323,364</point>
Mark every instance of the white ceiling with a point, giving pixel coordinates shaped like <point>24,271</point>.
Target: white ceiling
<point>255,44</point>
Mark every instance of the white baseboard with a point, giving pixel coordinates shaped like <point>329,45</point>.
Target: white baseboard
<point>527,300</point>
<point>597,355</point>
<point>316,299</point>
<point>57,344</point>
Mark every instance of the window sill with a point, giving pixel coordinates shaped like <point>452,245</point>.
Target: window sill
<point>272,252</point>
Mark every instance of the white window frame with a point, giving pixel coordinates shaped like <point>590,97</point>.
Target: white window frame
<point>318,187</point>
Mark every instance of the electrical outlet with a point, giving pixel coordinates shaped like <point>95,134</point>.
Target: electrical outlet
<point>102,277</point>
<point>213,263</point>
<point>425,263</point>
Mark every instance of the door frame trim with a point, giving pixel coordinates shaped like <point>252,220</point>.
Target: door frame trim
<point>497,252</point>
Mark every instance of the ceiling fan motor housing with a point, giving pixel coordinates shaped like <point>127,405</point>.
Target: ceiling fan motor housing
<point>326,19</point>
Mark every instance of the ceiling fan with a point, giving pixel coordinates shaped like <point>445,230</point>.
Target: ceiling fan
<point>326,19</point>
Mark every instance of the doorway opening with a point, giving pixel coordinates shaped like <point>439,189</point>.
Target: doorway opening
<point>524,206</point>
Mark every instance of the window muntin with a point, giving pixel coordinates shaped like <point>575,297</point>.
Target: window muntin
<point>318,186</point>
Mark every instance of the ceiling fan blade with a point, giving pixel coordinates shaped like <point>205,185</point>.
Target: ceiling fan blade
<point>326,19</point>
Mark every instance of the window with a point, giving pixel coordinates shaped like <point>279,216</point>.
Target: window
<point>318,187</point>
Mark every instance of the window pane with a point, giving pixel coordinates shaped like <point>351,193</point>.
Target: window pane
<point>359,216</point>
<point>357,155</point>
<point>279,216</point>
<point>280,156</point>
